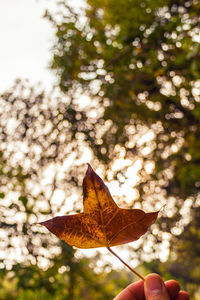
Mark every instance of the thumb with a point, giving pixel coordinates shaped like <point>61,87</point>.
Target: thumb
<point>154,288</point>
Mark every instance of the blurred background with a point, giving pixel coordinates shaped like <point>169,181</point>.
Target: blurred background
<point>115,84</point>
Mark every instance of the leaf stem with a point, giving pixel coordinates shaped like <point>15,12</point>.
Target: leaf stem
<point>132,270</point>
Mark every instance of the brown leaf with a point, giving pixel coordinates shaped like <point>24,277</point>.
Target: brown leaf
<point>103,223</point>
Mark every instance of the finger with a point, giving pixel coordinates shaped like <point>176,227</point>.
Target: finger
<point>173,288</point>
<point>154,288</point>
<point>134,291</point>
<point>182,295</point>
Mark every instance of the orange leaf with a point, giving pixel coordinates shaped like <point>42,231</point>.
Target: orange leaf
<point>103,223</point>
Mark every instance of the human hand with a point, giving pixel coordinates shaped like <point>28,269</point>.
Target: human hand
<point>153,288</point>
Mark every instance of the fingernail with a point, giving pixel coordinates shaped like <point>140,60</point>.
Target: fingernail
<point>154,285</point>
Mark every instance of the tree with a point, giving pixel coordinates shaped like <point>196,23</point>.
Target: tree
<point>143,59</point>
<point>42,153</point>
<point>140,61</point>
<point>183,262</point>
<point>39,148</point>
<point>67,278</point>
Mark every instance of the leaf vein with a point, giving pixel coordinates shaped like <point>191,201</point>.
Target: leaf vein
<point>124,228</point>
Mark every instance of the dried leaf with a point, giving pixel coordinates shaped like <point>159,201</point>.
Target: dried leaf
<point>103,223</point>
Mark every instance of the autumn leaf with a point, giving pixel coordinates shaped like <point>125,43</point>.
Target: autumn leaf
<point>102,223</point>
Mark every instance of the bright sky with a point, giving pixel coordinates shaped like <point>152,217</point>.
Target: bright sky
<point>25,39</point>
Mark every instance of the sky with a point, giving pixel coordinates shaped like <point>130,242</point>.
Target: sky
<point>25,39</point>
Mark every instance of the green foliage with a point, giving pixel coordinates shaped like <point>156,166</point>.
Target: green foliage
<point>140,59</point>
<point>183,263</point>
<point>67,278</point>
<point>143,57</point>
<point>38,137</point>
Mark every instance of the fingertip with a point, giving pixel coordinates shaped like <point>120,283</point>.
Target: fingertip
<point>172,283</point>
<point>173,288</point>
<point>151,278</point>
<point>183,295</point>
<point>153,275</point>
<point>154,287</point>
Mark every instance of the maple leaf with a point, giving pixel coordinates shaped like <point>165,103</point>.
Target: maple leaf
<point>102,223</point>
